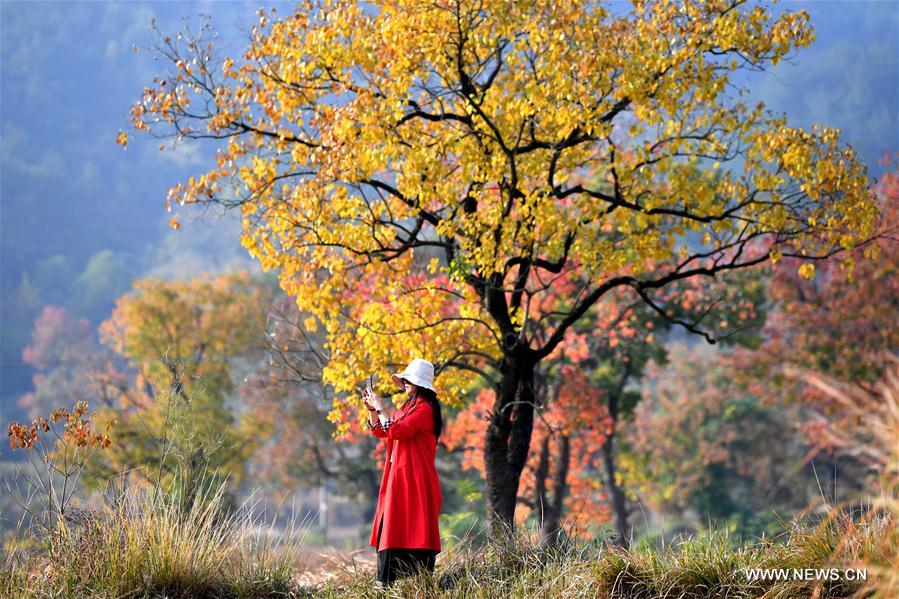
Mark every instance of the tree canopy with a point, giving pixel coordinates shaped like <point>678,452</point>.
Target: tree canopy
<point>181,338</point>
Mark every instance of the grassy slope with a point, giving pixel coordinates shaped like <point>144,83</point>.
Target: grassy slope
<point>147,548</point>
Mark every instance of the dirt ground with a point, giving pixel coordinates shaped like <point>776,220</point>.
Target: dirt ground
<point>319,565</point>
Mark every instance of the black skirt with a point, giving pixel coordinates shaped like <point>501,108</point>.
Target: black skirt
<point>395,563</point>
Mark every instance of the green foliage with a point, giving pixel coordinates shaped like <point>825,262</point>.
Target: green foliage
<point>463,524</point>
<point>706,452</point>
<point>181,338</point>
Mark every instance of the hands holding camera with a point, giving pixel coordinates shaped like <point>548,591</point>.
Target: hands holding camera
<point>372,401</point>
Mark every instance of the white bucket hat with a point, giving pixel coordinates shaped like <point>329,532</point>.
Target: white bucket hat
<point>419,372</point>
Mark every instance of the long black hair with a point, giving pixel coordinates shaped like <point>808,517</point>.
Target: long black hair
<point>431,397</point>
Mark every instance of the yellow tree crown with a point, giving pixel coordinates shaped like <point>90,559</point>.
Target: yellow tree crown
<point>509,143</point>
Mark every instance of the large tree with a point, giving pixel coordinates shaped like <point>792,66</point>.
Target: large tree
<point>352,135</point>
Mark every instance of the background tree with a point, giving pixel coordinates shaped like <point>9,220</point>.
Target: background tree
<point>287,398</point>
<point>832,328</point>
<point>703,450</point>
<point>838,325</point>
<point>561,483</point>
<point>352,137</point>
<point>585,392</point>
<point>181,338</point>
<point>64,352</point>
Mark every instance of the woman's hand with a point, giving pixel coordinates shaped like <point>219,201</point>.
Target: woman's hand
<point>372,401</point>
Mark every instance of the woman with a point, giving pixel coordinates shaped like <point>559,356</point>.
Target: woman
<point>405,531</point>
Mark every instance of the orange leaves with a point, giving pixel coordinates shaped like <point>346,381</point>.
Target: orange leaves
<point>467,427</point>
<point>73,428</point>
<point>576,350</point>
<point>122,139</point>
<point>21,436</point>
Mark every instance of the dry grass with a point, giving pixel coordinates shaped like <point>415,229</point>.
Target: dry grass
<point>869,429</point>
<point>704,567</point>
<point>148,548</point>
<point>145,545</point>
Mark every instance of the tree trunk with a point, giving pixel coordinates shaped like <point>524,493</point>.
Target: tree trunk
<point>508,439</point>
<point>551,519</point>
<point>619,509</point>
<point>616,496</point>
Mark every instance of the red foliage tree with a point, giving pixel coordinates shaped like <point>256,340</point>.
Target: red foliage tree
<point>63,352</point>
<point>582,395</point>
<point>841,324</point>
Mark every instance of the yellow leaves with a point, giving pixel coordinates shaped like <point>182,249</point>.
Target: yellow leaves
<point>516,317</point>
<point>872,251</point>
<point>310,324</point>
<point>848,266</point>
<point>174,224</point>
<point>829,175</point>
<point>807,271</point>
<point>122,139</point>
<point>260,169</point>
<point>767,181</point>
<point>671,127</point>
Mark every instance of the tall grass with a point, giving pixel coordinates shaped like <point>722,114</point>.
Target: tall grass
<point>147,545</point>
<point>873,436</point>
<point>143,544</point>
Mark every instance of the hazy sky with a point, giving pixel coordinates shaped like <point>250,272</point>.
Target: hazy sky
<point>69,76</point>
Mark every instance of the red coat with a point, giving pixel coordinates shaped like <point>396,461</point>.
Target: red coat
<point>410,497</point>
